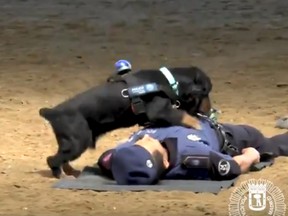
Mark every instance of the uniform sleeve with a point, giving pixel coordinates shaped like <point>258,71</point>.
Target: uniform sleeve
<point>223,167</point>
<point>217,166</point>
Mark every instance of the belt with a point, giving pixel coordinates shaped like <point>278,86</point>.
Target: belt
<point>225,141</point>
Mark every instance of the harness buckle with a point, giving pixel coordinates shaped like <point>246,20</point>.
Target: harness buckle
<point>176,105</point>
<point>125,93</point>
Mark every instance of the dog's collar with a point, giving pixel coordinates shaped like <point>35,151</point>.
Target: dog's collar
<point>173,83</point>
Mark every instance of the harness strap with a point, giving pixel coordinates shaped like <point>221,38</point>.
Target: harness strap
<point>137,104</point>
<point>225,142</point>
<point>227,146</point>
<point>173,83</point>
<point>134,87</point>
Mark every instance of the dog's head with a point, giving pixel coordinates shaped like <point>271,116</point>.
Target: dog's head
<point>194,84</point>
<point>70,128</point>
<point>194,81</point>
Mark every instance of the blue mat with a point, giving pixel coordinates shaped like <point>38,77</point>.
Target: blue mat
<point>91,179</point>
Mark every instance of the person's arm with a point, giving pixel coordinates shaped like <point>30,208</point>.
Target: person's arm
<point>248,157</point>
<point>210,164</point>
<point>222,166</point>
<point>225,167</point>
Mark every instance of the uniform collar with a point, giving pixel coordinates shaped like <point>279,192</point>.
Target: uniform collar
<point>171,145</point>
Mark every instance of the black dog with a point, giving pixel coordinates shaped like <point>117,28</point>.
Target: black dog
<point>78,122</point>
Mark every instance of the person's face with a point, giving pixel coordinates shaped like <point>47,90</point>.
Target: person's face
<point>152,145</point>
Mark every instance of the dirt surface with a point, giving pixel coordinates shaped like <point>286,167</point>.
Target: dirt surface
<point>50,50</point>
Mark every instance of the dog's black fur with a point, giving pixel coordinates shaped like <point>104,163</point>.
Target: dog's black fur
<point>78,122</point>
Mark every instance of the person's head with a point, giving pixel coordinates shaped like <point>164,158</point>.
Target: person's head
<point>122,67</point>
<point>140,164</point>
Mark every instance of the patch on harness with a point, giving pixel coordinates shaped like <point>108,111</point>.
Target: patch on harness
<point>142,89</point>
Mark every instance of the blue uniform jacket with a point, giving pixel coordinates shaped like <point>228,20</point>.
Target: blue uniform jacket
<point>201,148</point>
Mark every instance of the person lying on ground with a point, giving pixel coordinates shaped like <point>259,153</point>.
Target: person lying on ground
<point>217,152</point>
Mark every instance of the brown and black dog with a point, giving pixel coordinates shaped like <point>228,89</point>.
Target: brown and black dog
<point>78,122</point>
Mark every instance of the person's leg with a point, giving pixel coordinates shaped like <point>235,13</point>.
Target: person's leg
<point>246,136</point>
<point>279,144</point>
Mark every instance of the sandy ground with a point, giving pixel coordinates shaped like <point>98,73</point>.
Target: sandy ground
<point>54,49</point>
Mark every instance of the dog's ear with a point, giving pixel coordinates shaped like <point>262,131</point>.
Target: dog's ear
<point>48,113</point>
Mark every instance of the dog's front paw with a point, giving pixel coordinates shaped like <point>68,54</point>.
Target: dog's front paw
<point>191,121</point>
<point>56,171</point>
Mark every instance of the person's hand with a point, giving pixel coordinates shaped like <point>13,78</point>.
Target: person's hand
<point>252,153</point>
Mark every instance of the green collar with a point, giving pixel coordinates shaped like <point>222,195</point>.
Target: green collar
<point>173,83</point>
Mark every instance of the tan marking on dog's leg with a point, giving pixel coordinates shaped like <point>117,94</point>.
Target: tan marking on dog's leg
<point>190,121</point>
<point>69,170</point>
<point>205,105</point>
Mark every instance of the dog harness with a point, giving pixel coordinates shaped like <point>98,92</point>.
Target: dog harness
<point>136,92</point>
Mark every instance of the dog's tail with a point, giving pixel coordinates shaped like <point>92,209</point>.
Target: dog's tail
<point>47,113</point>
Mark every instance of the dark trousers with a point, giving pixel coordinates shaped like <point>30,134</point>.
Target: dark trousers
<point>244,136</point>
